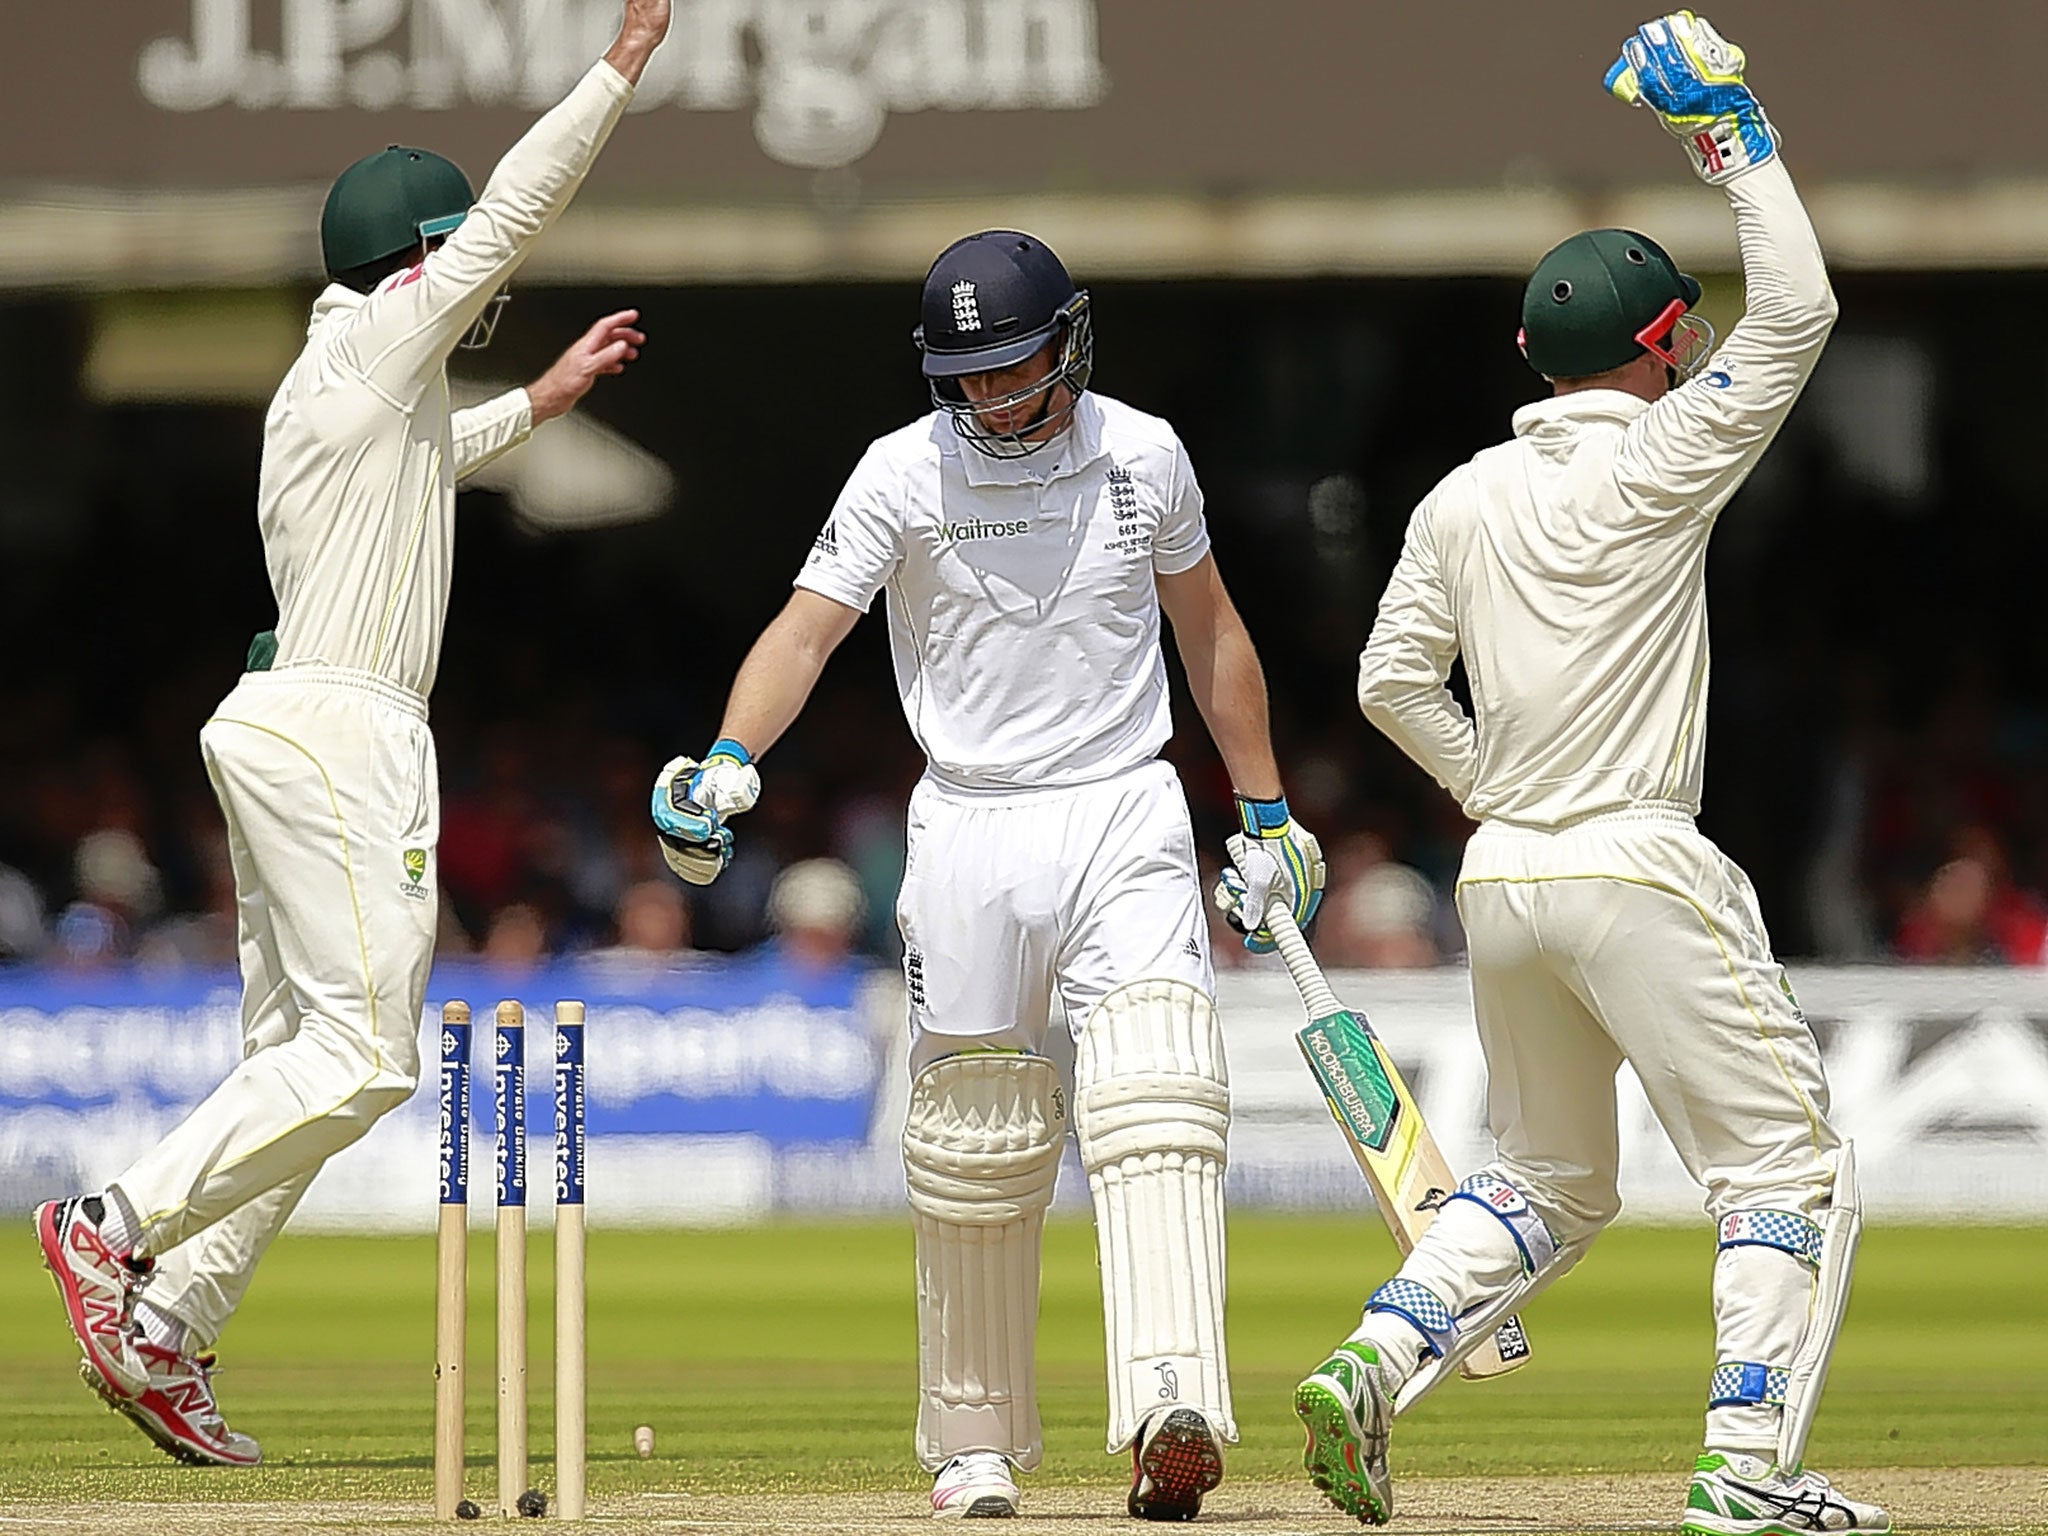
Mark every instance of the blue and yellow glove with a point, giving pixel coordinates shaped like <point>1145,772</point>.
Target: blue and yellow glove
<point>1691,77</point>
<point>691,802</point>
<point>1272,857</point>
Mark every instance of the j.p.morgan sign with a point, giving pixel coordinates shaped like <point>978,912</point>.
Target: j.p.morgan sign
<point>820,76</point>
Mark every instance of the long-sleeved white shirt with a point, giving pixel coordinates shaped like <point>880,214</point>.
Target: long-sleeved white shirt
<point>361,453</point>
<point>1568,565</point>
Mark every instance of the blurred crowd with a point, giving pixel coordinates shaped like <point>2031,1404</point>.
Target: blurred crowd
<point>1878,741</point>
<point>1924,845</point>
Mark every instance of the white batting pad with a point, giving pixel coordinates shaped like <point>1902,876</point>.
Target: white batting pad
<point>981,1149</point>
<point>1152,1105</point>
<point>1841,1230</point>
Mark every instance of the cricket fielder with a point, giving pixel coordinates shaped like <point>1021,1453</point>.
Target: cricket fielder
<point>1029,531</point>
<point>323,763</point>
<point>1567,567</point>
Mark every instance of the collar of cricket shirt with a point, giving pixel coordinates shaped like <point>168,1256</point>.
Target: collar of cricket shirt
<point>1068,454</point>
<point>1582,407</point>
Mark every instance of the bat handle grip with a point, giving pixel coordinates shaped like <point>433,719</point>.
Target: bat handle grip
<point>1301,963</point>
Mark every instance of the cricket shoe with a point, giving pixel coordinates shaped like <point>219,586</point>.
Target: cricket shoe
<point>976,1486</point>
<point>1345,1408</point>
<point>98,1286</point>
<point>1735,1495</point>
<point>1175,1462</point>
<point>177,1410</point>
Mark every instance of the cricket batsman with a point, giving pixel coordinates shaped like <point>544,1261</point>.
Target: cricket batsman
<point>1029,532</point>
<point>323,763</point>
<point>1567,567</point>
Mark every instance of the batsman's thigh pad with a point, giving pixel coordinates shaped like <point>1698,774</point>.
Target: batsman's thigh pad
<point>981,1151</point>
<point>1152,1108</point>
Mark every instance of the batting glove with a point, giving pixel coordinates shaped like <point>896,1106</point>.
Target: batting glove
<point>1691,77</point>
<point>1270,838</point>
<point>695,842</point>
<point>726,781</point>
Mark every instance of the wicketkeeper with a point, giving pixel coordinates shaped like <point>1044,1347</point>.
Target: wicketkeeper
<point>321,756</point>
<point>1567,567</point>
<point>1029,532</point>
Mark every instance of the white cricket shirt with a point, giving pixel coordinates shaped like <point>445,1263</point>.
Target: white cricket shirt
<point>1023,614</point>
<point>361,453</point>
<point>1568,565</point>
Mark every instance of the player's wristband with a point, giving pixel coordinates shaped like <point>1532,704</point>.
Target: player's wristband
<point>1262,818</point>
<point>725,746</point>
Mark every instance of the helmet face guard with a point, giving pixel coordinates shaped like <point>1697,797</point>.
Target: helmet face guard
<point>1679,338</point>
<point>485,326</point>
<point>1073,329</point>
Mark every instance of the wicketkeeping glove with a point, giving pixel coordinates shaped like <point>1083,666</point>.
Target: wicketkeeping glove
<point>691,802</point>
<point>1271,858</point>
<point>1691,77</point>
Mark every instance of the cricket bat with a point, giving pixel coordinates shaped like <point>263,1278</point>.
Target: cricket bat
<point>1378,1116</point>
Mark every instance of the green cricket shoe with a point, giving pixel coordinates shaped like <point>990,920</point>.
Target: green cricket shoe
<point>1345,1409</point>
<point>1748,1496</point>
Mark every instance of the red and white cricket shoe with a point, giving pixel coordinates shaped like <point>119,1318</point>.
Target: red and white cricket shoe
<point>178,1411</point>
<point>98,1286</point>
<point>1177,1459</point>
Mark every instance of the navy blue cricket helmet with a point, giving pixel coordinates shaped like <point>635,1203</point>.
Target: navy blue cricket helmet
<point>991,301</point>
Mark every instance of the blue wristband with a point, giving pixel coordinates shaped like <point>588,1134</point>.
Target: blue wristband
<point>725,746</point>
<point>1262,818</point>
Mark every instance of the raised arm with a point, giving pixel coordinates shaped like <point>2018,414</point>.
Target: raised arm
<point>481,432</point>
<point>1693,448</point>
<point>401,339</point>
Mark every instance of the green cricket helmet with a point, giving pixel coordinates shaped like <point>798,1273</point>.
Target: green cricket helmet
<point>1605,297</point>
<point>390,202</point>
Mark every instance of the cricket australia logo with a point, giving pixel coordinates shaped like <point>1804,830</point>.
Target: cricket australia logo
<point>966,312</point>
<point>414,885</point>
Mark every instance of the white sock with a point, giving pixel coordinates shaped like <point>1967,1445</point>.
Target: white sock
<point>1399,1344</point>
<point>161,1329</point>
<point>118,1226</point>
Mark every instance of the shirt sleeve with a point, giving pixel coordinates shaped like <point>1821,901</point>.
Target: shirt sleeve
<point>1183,535</point>
<point>401,337</point>
<point>1692,450</point>
<point>484,431</point>
<point>1407,661</point>
<point>861,545</point>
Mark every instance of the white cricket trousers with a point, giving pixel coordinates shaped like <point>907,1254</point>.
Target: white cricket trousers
<point>328,780</point>
<point>1014,899</point>
<point>1630,936</point>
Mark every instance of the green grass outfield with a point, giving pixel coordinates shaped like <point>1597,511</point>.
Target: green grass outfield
<point>780,1357</point>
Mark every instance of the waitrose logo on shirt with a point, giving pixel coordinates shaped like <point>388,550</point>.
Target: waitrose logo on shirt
<point>960,532</point>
